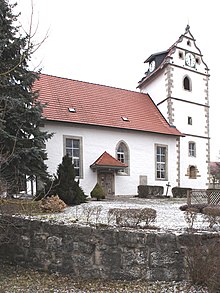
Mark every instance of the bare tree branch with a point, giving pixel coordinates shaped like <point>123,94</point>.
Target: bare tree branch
<point>31,46</point>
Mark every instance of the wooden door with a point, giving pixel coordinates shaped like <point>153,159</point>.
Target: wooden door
<point>106,180</point>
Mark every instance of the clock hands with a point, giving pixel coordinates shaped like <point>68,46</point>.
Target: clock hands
<point>190,59</point>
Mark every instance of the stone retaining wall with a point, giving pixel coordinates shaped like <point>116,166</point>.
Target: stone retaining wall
<point>87,252</point>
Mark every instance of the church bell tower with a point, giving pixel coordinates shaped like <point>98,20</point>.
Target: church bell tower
<point>177,81</point>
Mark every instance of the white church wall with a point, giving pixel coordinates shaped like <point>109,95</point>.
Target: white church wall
<point>157,93</point>
<point>197,94</point>
<point>199,162</point>
<point>163,109</point>
<point>96,140</point>
<point>182,113</point>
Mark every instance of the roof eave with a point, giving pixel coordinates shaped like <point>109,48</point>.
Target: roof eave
<point>114,127</point>
<point>108,167</point>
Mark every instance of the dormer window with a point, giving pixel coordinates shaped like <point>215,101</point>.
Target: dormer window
<point>188,43</point>
<point>125,119</point>
<point>72,110</point>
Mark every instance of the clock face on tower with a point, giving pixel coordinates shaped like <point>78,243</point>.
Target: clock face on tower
<point>190,59</point>
<point>152,66</point>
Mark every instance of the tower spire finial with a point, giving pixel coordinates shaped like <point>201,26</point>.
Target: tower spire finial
<point>187,27</point>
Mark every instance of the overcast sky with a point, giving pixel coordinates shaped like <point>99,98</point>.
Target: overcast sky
<point>107,41</point>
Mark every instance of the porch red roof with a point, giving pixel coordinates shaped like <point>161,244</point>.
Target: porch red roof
<point>106,160</point>
<point>92,104</point>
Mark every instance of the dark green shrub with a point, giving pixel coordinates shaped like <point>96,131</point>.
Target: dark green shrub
<point>65,185</point>
<point>97,192</point>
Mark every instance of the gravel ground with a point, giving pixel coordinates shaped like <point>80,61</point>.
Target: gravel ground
<point>14,279</point>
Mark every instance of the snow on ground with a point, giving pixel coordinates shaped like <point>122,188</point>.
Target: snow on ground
<point>169,216</point>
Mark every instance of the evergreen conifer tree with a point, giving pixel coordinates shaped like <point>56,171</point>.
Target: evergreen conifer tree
<point>22,143</point>
<point>65,185</point>
<point>98,192</point>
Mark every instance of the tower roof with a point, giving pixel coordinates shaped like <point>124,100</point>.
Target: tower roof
<point>162,59</point>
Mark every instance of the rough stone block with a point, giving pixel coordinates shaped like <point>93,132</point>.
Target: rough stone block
<point>54,242</point>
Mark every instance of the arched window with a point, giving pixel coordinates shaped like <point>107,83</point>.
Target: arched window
<point>122,154</point>
<point>187,84</point>
<point>192,172</point>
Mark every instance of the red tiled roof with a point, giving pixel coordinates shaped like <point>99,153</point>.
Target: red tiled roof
<point>100,105</point>
<point>106,160</point>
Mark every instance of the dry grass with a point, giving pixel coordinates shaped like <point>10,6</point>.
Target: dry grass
<point>15,279</point>
<point>203,262</point>
<point>19,206</point>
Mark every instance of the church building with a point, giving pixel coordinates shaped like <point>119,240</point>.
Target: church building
<point>122,138</point>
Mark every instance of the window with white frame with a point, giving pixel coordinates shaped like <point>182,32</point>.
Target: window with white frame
<point>192,149</point>
<point>161,162</point>
<point>122,155</point>
<point>73,148</point>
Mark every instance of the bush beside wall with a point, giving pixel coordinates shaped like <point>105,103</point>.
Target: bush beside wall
<point>133,217</point>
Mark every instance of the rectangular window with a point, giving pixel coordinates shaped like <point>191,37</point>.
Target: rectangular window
<point>120,156</point>
<point>73,148</point>
<point>189,120</point>
<point>161,162</point>
<point>192,149</point>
